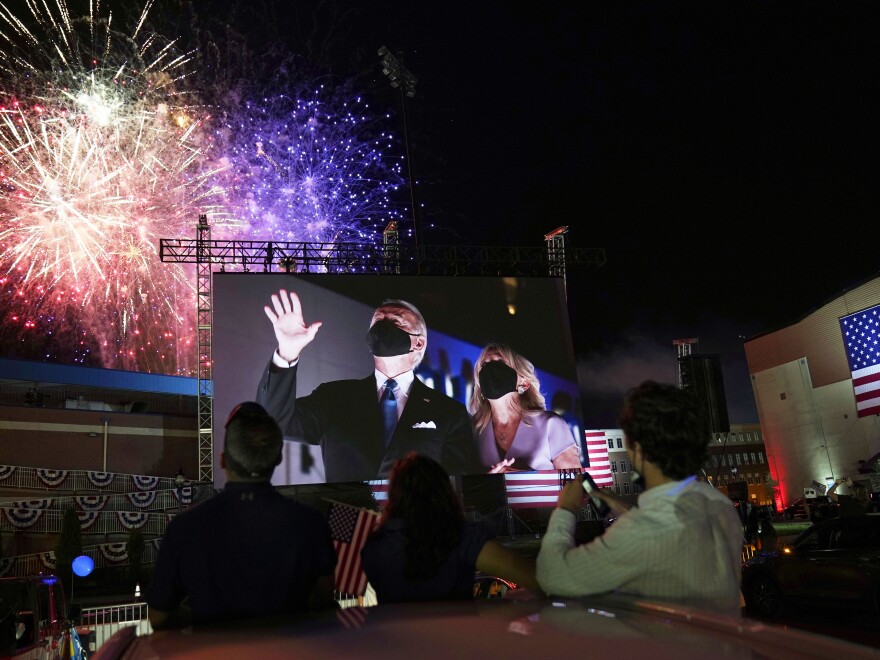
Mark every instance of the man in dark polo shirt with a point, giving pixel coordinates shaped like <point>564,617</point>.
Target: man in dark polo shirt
<point>248,551</point>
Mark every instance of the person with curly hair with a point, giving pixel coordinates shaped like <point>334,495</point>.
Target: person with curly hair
<point>682,543</point>
<point>424,549</point>
<point>513,427</point>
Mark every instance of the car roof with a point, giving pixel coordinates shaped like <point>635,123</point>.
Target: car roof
<point>513,626</point>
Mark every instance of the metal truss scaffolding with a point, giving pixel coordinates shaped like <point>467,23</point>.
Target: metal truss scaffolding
<point>206,371</point>
<point>391,257</point>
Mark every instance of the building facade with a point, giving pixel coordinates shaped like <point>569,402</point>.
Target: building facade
<point>813,430</point>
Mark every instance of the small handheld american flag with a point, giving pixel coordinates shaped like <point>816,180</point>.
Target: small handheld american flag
<point>349,527</point>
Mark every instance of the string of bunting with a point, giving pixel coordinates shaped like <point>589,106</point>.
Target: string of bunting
<point>52,478</point>
<point>184,495</point>
<point>87,518</point>
<point>142,500</point>
<point>35,504</point>
<point>132,519</point>
<point>6,471</point>
<point>101,479</point>
<point>91,502</point>
<point>145,483</point>
<point>115,553</point>
<point>48,559</point>
<point>22,518</point>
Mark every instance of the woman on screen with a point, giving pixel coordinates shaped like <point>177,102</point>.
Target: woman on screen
<point>424,549</point>
<point>514,430</point>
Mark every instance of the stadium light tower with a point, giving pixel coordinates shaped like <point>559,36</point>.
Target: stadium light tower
<point>402,78</point>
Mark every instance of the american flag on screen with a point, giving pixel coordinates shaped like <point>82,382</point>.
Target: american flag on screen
<point>861,335</point>
<point>379,488</point>
<point>531,490</point>
<point>349,528</point>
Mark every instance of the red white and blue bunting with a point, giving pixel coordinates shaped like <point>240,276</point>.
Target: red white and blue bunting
<point>132,519</point>
<point>87,518</point>
<point>101,479</point>
<point>6,471</point>
<point>34,504</point>
<point>22,518</point>
<point>145,483</point>
<point>91,502</point>
<point>184,495</point>
<point>115,553</point>
<point>51,478</point>
<point>142,500</point>
<point>48,559</point>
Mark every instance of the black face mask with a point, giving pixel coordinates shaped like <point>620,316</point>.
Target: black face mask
<point>385,339</point>
<point>497,379</point>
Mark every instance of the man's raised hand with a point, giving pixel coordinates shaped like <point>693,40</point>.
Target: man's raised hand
<point>287,320</point>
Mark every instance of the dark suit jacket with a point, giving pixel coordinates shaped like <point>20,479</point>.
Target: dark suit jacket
<point>343,418</point>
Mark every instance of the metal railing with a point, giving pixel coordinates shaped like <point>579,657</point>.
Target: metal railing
<point>105,621</point>
<point>163,501</point>
<point>103,522</point>
<point>12,476</point>
<point>103,554</point>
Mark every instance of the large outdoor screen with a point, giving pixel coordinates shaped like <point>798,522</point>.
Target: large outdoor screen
<point>339,437</point>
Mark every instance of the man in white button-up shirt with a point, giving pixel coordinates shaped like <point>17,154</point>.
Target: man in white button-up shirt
<point>683,542</point>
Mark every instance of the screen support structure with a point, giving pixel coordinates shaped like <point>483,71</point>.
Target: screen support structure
<point>206,382</point>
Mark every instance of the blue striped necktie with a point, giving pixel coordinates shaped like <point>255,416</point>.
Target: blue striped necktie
<point>388,404</point>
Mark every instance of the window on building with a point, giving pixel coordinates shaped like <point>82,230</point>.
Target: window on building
<point>610,443</point>
<point>750,479</point>
<point>739,459</point>
<point>623,466</point>
<point>714,460</point>
<point>614,466</point>
<point>746,458</point>
<point>617,488</point>
<point>761,457</point>
<point>626,488</point>
<point>619,443</point>
<point>754,459</point>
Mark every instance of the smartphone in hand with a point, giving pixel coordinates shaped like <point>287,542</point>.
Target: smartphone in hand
<point>601,507</point>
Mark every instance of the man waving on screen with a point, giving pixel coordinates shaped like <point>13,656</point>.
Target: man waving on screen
<point>364,425</point>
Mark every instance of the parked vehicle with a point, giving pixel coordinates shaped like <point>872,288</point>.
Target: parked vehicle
<point>510,626</point>
<point>33,620</point>
<point>835,562</point>
<point>797,509</point>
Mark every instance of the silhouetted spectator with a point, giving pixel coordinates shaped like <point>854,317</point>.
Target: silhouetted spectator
<point>424,549</point>
<point>248,551</point>
<point>850,505</point>
<point>683,542</point>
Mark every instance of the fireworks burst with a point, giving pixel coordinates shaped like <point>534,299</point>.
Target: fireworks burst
<point>313,166</point>
<point>103,151</point>
<point>98,160</point>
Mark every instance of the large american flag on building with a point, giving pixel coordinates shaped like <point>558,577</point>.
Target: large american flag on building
<point>349,527</point>
<point>861,335</point>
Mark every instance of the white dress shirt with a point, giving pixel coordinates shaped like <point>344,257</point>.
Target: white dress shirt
<point>683,543</point>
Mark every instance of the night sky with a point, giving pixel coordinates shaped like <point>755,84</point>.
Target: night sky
<point>725,155</point>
